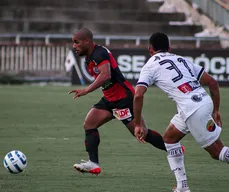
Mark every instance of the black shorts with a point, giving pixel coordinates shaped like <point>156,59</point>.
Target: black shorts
<point>121,109</point>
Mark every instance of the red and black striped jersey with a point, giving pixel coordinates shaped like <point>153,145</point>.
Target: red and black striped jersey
<point>117,87</point>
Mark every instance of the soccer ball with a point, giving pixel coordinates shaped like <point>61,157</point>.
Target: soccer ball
<point>15,161</point>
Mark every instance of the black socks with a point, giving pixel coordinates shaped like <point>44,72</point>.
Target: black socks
<point>155,139</point>
<point>92,141</point>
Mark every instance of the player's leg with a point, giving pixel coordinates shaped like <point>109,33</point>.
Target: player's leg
<point>174,133</point>
<point>96,117</point>
<point>125,114</point>
<point>207,132</point>
<point>218,151</point>
<point>151,136</point>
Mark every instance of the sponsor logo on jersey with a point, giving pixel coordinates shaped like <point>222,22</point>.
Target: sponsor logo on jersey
<point>96,70</point>
<point>122,114</point>
<point>189,86</point>
<point>211,126</point>
<point>196,98</point>
<point>199,97</point>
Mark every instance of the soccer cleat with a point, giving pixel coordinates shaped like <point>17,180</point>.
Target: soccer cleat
<point>88,167</point>
<point>181,190</point>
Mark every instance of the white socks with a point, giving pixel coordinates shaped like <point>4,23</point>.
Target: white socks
<point>224,155</point>
<point>176,162</point>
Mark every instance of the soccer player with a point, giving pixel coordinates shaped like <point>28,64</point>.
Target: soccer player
<point>117,101</point>
<point>198,112</point>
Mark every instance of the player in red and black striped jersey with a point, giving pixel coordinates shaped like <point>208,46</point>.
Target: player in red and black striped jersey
<point>116,87</point>
<point>117,101</point>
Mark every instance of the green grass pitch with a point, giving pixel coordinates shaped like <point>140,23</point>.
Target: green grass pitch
<point>46,124</point>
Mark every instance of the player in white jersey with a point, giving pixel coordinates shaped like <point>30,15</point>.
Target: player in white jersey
<point>198,113</point>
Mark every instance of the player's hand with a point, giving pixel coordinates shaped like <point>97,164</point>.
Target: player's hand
<point>78,93</point>
<point>217,118</point>
<point>139,134</point>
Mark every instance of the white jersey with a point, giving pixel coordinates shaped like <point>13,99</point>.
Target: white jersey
<point>178,78</point>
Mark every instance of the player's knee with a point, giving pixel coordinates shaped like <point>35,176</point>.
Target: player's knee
<point>89,125</point>
<point>86,126</point>
<point>168,139</point>
<point>215,149</point>
<point>165,139</point>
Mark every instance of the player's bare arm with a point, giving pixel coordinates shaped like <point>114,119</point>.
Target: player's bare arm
<point>213,86</point>
<point>138,104</point>
<point>104,75</point>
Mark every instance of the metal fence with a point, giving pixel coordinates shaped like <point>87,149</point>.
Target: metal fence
<point>108,39</point>
<point>32,58</point>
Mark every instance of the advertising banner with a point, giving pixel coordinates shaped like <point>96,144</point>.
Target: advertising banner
<point>130,61</point>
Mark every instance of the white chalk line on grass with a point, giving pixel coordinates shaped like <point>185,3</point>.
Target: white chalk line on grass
<point>66,139</point>
<point>52,138</point>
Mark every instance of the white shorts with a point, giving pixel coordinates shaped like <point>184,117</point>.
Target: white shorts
<point>200,124</point>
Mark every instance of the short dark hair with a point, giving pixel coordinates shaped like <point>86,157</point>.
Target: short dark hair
<point>84,33</point>
<point>159,41</point>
